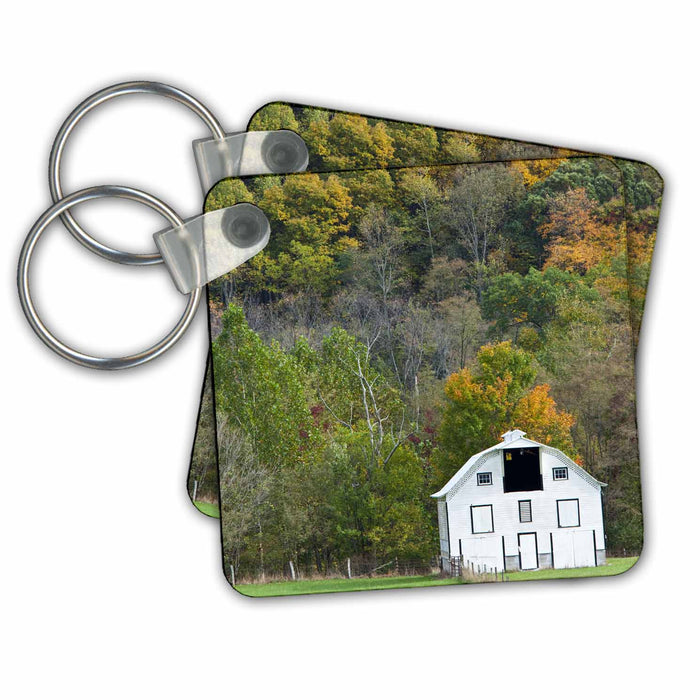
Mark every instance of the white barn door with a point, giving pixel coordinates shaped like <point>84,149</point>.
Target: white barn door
<point>527,548</point>
<point>484,553</point>
<point>584,547</point>
<point>573,549</point>
<point>563,550</point>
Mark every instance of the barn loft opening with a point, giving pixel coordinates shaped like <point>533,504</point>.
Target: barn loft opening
<point>521,469</point>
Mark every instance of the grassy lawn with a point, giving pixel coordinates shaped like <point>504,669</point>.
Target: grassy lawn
<point>340,585</point>
<point>611,568</point>
<point>210,509</point>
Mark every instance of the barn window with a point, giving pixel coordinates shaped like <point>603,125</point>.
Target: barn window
<point>568,513</point>
<point>525,508</point>
<point>484,479</point>
<point>482,519</point>
<point>521,469</point>
<point>560,473</point>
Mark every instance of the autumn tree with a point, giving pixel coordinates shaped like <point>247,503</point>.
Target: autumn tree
<point>309,216</point>
<point>535,171</point>
<point>496,396</point>
<point>413,144</point>
<point>457,147</point>
<point>348,141</point>
<point>368,188</point>
<point>576,238</point>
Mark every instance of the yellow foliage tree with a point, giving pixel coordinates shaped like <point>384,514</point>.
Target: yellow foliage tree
<point>534,171</point>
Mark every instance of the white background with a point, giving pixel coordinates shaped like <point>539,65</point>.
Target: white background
<point>110,582</point>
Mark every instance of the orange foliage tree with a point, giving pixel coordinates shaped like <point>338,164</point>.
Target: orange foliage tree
<point>496,396</point>
<point>577,238</point>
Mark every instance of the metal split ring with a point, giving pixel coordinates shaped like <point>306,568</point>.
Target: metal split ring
<point>100,97</point>
<point>59,209</point>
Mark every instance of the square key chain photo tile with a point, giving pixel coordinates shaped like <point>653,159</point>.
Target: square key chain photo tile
<point>378,388</point>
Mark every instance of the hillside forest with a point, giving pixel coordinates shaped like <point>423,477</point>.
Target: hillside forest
<point>401,319</point>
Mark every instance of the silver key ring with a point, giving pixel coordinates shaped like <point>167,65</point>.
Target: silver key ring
<point>108,93</point>
<point>25,258</point>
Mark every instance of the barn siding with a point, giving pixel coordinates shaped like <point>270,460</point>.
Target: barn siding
<point>506,515</point>
<point>443,529</point>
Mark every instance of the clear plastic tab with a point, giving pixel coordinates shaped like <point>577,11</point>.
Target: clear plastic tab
<point>213,244</point>
<point>249,153</point>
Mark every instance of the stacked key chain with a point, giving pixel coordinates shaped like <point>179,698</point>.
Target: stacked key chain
<point>221,156</point>
<point>422,347</point>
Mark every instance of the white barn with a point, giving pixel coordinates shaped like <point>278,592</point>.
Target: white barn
<point>521,505</point>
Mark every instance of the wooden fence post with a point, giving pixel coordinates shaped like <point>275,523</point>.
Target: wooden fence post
<point>349,569</point>
<point>291,568</point>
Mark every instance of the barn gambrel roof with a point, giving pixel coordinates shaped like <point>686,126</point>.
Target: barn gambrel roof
<point>511,440</point>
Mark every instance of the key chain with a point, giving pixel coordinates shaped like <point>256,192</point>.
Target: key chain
<point>59,209</point>
<point>351,399</point>
<point>192,249</point>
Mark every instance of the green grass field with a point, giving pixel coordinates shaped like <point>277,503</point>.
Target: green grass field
<point>613,567</point>
<point>342,585</point>
<point>210,509</point>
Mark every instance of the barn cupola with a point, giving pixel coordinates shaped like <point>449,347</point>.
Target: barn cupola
<point>512,435</point>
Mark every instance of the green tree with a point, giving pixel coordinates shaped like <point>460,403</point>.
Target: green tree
<point>273,116</point>
<point>384,490</point>
<point>227,193</point>
<point>514,301</point>
<point>260,394</point>
<point>421,194</point>
<point>260,390</point>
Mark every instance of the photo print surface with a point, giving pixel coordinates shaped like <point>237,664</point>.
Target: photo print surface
<point>427,378</point>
